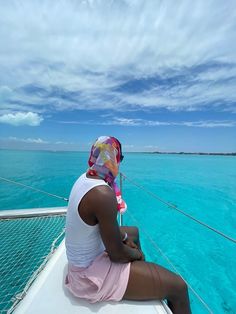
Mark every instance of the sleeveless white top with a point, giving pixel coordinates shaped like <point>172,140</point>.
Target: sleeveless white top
<point>83,242</point>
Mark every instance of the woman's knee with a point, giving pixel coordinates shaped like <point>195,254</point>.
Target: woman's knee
<point>182,284</point>
<point>134,231</point>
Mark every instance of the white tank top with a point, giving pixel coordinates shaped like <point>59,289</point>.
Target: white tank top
<point>83,242</point>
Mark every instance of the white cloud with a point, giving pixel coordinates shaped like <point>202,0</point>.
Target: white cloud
<point>64,143</point>
<point>78,52</point>
<point>151,123</point>
<point>37,141</point>
<point>5,92</point>
<point>210,124</point>
<point>21,118</point>
<point>200,124</point>
<point>125,122</point>
<point>28,140</point>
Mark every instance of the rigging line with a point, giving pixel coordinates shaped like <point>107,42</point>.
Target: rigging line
<point>34,189</point>
<point>179,210</point>
<point>142,188</point>
<point>169,261</point>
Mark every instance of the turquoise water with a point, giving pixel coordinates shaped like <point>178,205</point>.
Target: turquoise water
<point>204,186</point>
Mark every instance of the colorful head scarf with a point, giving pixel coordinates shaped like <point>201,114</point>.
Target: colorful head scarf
<point>104,161</point>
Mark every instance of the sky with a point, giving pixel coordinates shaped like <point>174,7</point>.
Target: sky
<point>158,75</point>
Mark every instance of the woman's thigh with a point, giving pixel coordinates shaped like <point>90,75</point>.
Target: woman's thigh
<point>148,281</point>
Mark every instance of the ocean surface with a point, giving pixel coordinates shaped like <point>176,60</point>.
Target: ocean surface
<point>202,186</point>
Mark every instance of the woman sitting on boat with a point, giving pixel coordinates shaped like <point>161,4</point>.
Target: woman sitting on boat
<point>105,261</point>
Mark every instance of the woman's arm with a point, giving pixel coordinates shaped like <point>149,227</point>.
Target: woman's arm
<point>103,205</point>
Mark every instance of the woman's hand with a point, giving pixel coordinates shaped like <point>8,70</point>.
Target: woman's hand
<point>133,245</point>
<point>142,257</point>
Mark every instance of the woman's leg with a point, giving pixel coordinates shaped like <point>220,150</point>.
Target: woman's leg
<point>133,234</point>
<point>148,281</point>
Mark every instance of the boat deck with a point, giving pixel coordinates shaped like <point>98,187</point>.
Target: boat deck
<point>48,295</point>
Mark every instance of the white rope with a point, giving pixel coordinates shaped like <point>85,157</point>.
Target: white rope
<point>34,189</point>
<point>21,295</point>
<point>156,247</point>
<point>179,210</point>
<point>145,190</point>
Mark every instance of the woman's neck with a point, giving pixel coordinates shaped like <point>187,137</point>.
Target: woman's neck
<point>93,177</point>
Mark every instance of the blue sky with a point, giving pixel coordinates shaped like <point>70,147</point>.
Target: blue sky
<point>159,75</point>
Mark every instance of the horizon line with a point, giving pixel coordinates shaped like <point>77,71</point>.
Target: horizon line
<point>140,152</point>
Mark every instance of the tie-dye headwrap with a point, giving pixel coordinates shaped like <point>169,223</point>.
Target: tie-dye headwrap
<point>104,161</point>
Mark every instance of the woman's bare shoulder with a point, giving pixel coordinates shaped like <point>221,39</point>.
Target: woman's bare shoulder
<point>100,198</point>
<point>101,193</point>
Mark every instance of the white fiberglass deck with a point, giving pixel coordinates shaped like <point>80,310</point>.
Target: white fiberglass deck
<point>48,295</point>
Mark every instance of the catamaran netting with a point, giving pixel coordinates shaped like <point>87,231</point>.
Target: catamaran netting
<point>26,245</point>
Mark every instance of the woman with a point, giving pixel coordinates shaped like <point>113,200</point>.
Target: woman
<point>105,261</point>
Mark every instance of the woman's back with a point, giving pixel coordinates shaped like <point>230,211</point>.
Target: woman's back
<point>83,241</point>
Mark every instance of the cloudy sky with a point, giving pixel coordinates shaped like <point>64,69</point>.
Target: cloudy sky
<point>159,75</point>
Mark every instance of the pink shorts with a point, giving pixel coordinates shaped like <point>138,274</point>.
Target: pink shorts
<point>103,280</point>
